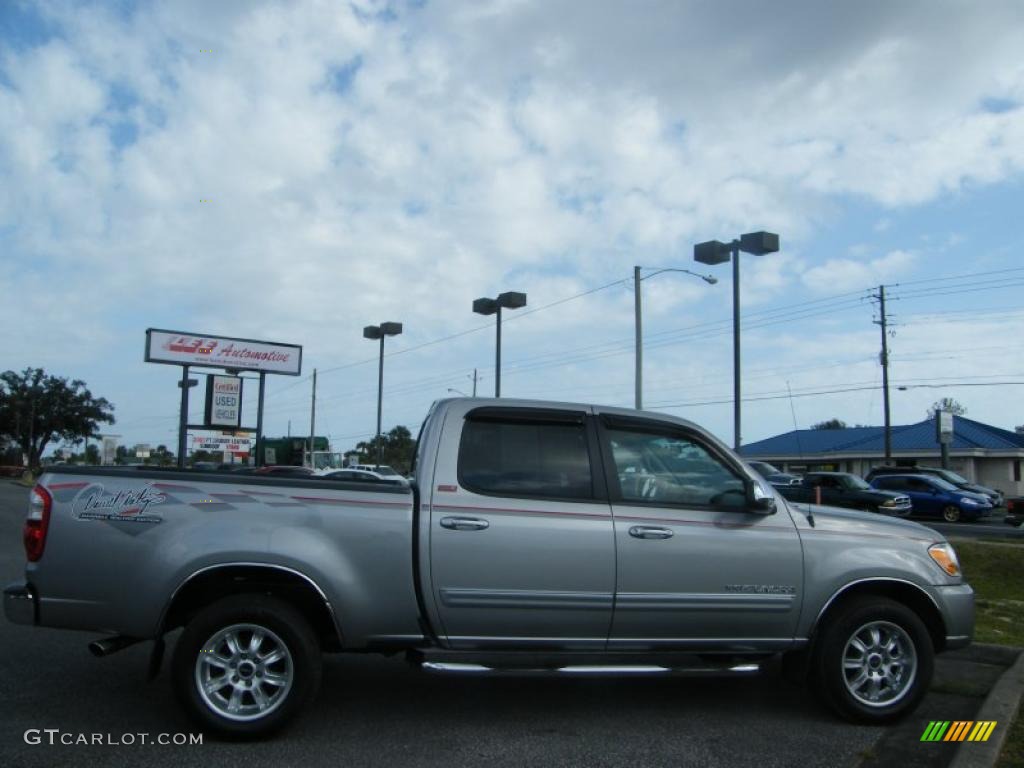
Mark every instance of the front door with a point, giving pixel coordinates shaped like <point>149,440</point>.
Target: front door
<point>521,538</point>
<point>695,566</point>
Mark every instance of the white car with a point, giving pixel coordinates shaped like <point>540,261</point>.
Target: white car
<point>381,470</point>
<point>351,474</point>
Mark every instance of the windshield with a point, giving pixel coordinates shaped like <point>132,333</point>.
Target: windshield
<point>943,484</point>
<point>764,468</point>
<point>952,477</point>
<point>852,481</point>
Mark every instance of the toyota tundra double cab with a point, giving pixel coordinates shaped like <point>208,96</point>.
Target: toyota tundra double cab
<point>533,535</point>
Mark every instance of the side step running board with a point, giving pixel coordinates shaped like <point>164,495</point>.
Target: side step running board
<point>596,670</point>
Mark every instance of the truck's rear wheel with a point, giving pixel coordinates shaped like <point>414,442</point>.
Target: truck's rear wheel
<point>246,664</point>
<point>874,661</point>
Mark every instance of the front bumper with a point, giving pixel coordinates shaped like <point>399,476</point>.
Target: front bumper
<point>957,605</point>
<point>20,604</point>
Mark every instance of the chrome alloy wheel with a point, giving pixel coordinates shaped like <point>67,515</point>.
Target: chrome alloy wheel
<point>244,672</point>
<point>879,664</point>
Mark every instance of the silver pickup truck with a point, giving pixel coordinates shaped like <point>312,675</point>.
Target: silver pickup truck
<point>535,535</point>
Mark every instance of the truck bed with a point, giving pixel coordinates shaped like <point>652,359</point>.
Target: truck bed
<point>352,541</point>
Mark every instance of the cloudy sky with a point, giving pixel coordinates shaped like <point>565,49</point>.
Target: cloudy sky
<point>293,171</point>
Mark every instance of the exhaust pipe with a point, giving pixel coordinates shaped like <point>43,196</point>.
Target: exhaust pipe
<point>107,646</point>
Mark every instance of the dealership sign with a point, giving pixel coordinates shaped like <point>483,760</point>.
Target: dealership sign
<point>222,443</point>
<point>223,401</point>
<point>179,348</point>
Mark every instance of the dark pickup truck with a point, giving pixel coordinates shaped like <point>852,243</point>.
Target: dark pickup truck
<point>841,489</point>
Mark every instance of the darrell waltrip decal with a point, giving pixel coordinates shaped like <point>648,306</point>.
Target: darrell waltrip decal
<point>128,506</point>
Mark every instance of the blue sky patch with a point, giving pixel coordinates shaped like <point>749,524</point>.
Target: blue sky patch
<point>340,79</point>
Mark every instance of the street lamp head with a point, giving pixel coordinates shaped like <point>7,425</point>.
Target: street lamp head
<point>512,300</point>
<point>709,279</point>
<point>382,330</point>
<point>485,306</point>
<point>759,243</point>
<point>712,252</point>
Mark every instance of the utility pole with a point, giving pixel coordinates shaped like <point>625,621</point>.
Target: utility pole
<point>884,359</point>
<point>638,359</point>
<point>474,382</point>
<point>312,422</point>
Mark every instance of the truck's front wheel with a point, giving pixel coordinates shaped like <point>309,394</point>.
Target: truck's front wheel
<point>246,664</point>
<point>874,660</point>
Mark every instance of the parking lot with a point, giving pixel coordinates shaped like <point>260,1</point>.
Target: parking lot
<point>378,711</point>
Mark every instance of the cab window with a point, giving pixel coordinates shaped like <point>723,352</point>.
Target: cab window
<point>669,469</point>
<point>524,458</point>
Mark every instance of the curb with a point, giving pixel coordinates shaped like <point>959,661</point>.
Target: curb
<point>1001,705</point>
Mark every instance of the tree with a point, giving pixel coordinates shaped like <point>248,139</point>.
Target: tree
<point>1019,429</point>
<point>37,409</point>
<point>398,449</point>
<point>947,404</point>
<point>830,424</point>
<point>161,456</point>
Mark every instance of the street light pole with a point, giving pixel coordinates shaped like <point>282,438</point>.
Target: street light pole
<point>379,332</point>
<point>736,386</point>
<point>486,306</point>
<point>715,252</point>
<point>638,334</point>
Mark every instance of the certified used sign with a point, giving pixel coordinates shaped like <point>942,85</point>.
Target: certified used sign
<point>223,401</point>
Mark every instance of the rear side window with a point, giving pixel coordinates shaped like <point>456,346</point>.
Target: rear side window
<point>522,458</point>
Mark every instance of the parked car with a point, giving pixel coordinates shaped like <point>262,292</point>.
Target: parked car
<point>381,469</point>
<point>538,535</point>
<point>361,476</point>
<point>994,496</point>
<point>281,470</point>
<point>934,497</point>
<point>1014,511</point>
<point>774,475</point>
<point>842,489</point>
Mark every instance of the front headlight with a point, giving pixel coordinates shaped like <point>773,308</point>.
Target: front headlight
<point>945,557</point>
<point>889,503</point>
<point>969,502</point>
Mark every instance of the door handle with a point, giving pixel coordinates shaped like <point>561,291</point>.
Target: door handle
<point>464,523</point>
<point>646,532</point>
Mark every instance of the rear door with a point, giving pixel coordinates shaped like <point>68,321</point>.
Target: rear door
<point>695,567</point>
<point>521,539</point>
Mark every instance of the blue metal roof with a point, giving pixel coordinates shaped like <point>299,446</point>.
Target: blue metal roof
<point>967,435</point>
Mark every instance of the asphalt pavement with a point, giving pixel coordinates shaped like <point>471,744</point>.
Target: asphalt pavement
<point>375,711</point>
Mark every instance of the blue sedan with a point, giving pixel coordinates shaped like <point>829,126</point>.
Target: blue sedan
<point>935,497</point>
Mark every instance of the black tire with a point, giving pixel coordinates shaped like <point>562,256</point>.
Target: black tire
<point>951,513</point>
<point>897,676</point>
<point>264,690</point>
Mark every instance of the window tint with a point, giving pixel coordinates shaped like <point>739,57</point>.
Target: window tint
<point>660,469</point>
<point>511,458</point>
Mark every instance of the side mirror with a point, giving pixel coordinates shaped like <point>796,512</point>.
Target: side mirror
<point>759,500</point>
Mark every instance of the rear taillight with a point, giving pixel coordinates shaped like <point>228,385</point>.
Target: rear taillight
<point>37,522</point>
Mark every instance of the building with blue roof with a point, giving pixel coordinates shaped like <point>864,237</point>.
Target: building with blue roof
<point>980,452</point>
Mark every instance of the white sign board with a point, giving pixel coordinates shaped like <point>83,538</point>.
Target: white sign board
<point>178,348</point>
<point>223,401</point>
<point>944,426</point>
<point>223,443</point>
<point>108,453</point>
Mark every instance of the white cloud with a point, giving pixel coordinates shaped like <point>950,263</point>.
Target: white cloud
<point>474,146</point>
<point>839,275</point>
